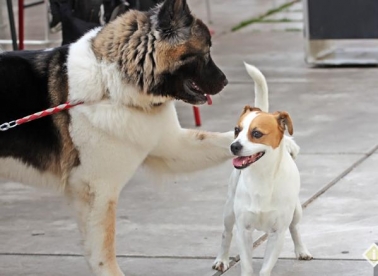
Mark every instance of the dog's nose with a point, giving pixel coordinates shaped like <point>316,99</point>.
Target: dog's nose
<point>225,82</point>
<point>236,147</point>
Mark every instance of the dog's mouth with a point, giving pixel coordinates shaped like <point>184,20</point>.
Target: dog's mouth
<point>242,162</point>
<point>197,95</point>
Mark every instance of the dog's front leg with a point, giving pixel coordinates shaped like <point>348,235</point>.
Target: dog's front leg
<point>186,150</point>
<point>245,246</point>
<point>96,213</point>
<point>273,249</point>
<point>222,262</point>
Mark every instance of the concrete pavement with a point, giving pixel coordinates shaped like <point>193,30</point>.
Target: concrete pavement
<point>175,228</point>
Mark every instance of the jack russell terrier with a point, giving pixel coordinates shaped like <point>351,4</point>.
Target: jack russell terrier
<point>264,186</point>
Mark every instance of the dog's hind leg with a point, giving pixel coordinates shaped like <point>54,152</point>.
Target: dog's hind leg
<point>300,249</point>
<point>222,262</point>
<point>96,214</point>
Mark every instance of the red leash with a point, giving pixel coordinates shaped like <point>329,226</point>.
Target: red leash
<point>37,115</point>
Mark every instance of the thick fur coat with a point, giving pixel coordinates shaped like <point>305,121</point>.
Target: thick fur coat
<point>128,75</point>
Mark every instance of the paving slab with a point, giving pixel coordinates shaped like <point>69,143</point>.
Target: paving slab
<point>312,268</point>
<point>224,15</point>
<point>286,15</point>
<point>64,266</point>
<point>274,27</point>
<point>153,219</point>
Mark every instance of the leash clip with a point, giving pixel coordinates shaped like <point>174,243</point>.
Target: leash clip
<point>6,126</point>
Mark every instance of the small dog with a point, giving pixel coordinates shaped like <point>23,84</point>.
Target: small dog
<point>127,74</point>
<point>264,186</point>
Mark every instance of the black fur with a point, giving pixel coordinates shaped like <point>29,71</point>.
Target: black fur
<point>24,77</point>
<point>173,15</point>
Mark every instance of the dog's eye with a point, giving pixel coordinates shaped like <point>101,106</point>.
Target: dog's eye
<point>237,131</point>
<point>257,134</point>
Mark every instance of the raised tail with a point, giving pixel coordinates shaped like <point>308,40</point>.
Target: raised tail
<point>261,87</point>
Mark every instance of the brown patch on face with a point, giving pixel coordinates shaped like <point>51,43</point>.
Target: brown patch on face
<point>247,109</point>
<point>268,125</point>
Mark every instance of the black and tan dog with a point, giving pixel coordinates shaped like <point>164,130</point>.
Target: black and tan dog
<point>128,75</point>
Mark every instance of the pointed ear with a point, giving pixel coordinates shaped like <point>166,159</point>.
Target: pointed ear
<point>174,14</point>
<point>284,121</point>
<point>249,108</point>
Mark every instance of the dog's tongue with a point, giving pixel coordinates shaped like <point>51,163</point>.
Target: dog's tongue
<point>209,100</point>
<point>238,161</point>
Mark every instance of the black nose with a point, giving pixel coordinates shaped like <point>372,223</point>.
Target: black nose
<point>236,148</point>
<point>225,82</point>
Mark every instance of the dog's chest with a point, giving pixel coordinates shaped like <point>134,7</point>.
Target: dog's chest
<point>261,209</point>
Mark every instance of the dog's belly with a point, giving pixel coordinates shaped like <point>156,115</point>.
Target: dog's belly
<point>15,170</point>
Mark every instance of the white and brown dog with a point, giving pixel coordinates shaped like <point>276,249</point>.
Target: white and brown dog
<point>264,187</point>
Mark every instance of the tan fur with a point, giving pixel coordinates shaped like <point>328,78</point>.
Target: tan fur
<point>141,54</point>
<point>68,156</point>
<point>247,109</point>
<point>109,241</point>
<point>201,135</point>
<point>267,124</point>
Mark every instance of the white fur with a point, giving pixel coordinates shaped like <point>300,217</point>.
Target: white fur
<point>116,131</point>
<point>114,138</point>
<point>17,171</point>
<point>263,196</point>
<point>261,87</point>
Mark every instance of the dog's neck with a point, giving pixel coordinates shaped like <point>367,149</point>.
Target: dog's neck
<point>268,168</point>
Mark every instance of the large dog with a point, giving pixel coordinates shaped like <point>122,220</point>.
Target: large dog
<point>128,75</point>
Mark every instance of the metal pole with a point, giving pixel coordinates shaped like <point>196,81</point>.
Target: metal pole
<point>21,24</point>
<point>12,25</point>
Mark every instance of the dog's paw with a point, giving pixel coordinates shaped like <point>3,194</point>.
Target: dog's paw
<point>221,265</point>
<point>304,255</point>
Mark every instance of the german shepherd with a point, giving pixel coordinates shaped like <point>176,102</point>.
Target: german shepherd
<point>128,75</point>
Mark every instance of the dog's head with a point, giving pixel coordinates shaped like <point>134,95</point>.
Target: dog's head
<point>186,69</point>
<point>257,134</point>
<point>163,52</point>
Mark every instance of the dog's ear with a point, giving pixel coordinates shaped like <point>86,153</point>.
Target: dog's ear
<point>284,121</point>
<point>249,108</point>
<point>173,15</point>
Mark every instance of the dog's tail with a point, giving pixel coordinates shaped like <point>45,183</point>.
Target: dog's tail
<point>261,87</point>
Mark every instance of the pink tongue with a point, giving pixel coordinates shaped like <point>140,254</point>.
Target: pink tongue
<point>238,161</point>
<point>209,100</point>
